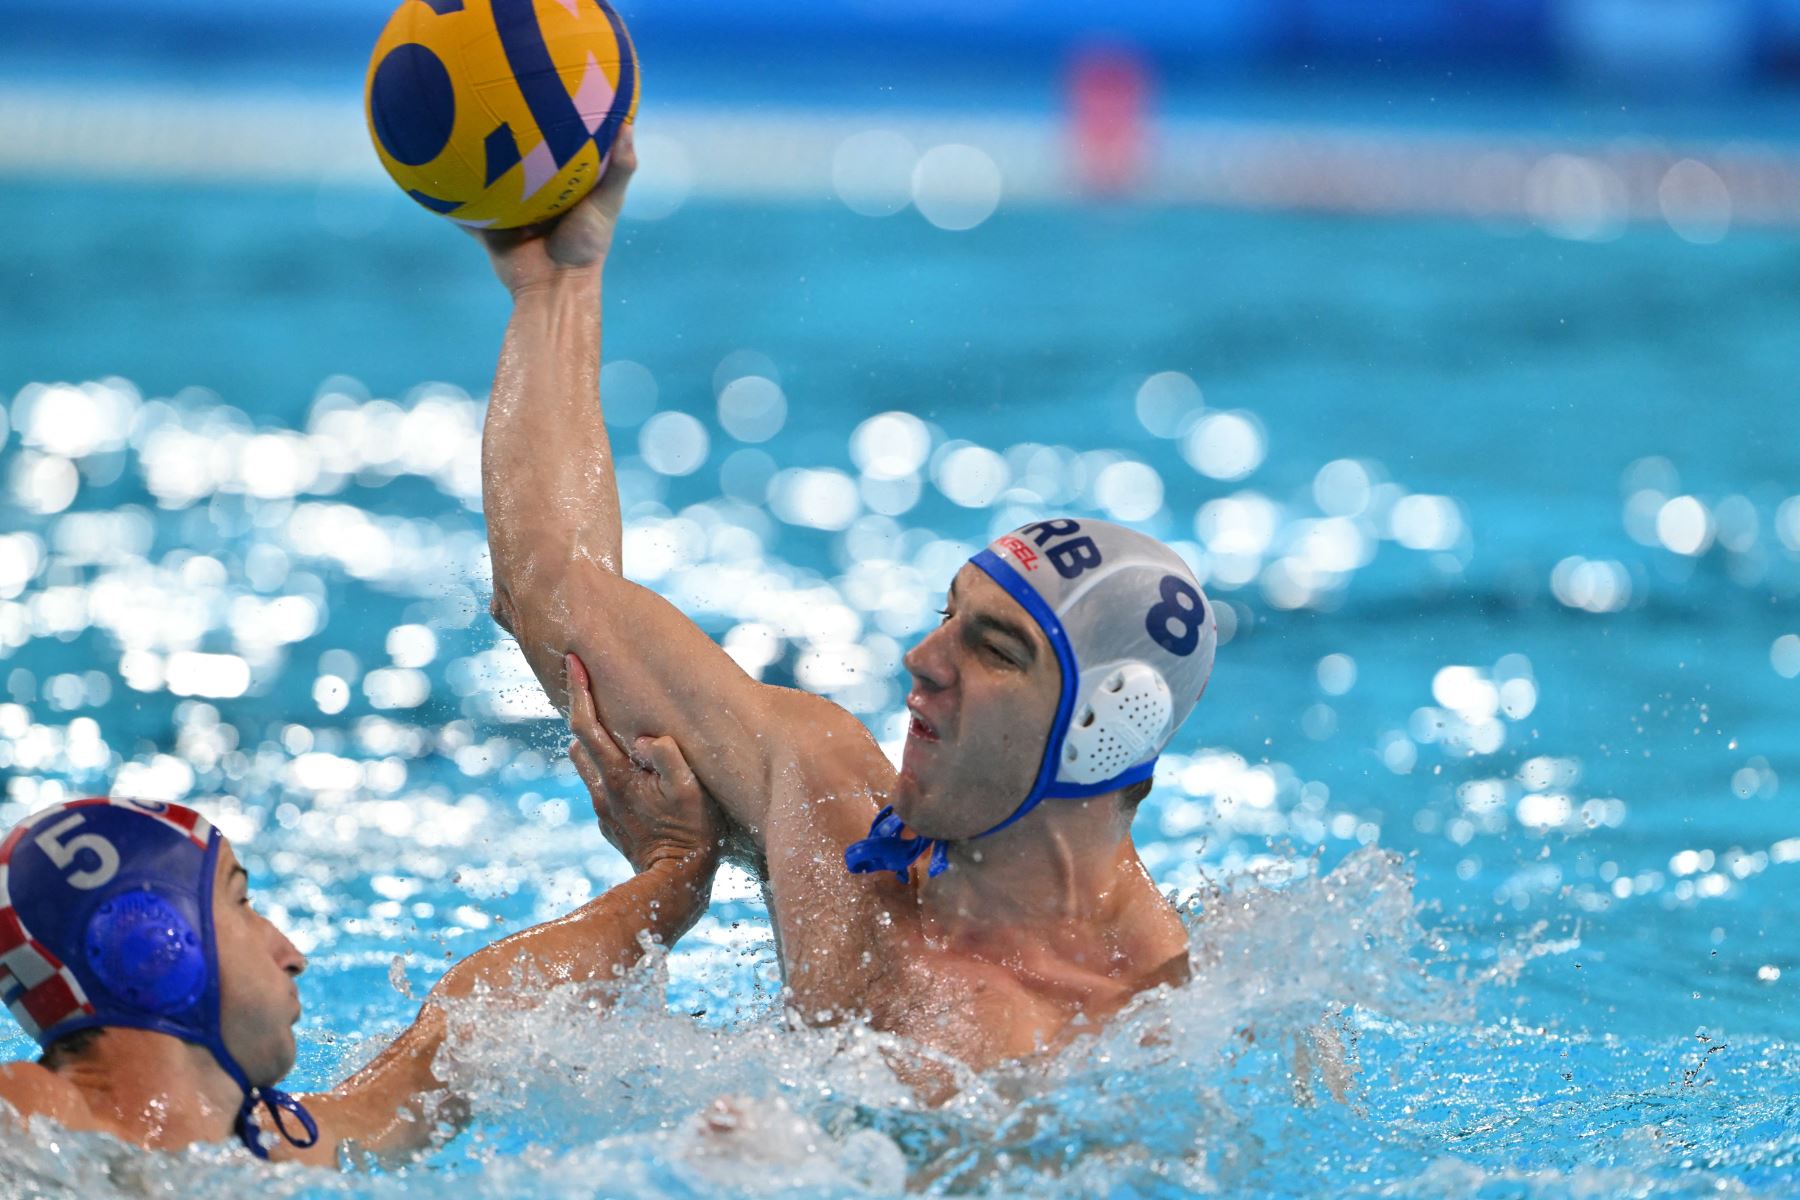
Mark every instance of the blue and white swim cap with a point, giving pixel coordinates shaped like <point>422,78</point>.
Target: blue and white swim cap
<point>1135,638</point>
<point>106,920</point>
<point>1133,634</point>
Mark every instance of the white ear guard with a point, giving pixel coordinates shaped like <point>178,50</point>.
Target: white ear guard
<point>1122,714</point>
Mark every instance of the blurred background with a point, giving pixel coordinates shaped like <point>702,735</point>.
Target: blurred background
<point>1452,341</point>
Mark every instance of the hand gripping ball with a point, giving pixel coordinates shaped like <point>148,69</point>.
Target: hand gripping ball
<point>500,113</point>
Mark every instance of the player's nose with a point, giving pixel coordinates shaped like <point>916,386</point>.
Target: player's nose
<point>288,956</point>
<point>930,662</point>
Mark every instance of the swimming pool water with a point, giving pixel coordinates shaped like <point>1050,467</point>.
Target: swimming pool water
<point>1514,878</point>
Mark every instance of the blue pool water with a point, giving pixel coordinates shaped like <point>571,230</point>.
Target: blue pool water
<point>1486,826</point>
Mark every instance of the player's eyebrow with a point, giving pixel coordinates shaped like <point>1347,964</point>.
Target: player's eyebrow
<point>238,872</point>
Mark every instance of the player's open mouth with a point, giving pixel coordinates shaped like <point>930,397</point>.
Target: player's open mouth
<point>920,727</point>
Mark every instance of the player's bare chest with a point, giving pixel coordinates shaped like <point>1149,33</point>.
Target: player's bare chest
<point>984,1013</point>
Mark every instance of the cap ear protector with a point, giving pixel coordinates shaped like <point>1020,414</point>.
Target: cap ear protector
<point>1121,714</point>
<point>145,952</point>
<point>1134,639</point>
<point>106,922</point>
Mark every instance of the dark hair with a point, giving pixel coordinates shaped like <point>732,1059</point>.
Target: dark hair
<point>64,1050</point>
<point>1134,795</point>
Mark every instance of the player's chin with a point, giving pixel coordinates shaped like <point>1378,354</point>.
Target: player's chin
<point>282,1057</point>
<point>928,814</point>
<point>911,796</point>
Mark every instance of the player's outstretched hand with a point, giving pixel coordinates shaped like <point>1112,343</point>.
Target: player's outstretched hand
<point>651,807</point>
<point>574,242</point>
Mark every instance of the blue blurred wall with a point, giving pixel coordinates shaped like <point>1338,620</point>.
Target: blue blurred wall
<point>1203,27</point>
<point>1529,34</point>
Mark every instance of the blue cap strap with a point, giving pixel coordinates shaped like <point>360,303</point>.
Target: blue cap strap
<point>887,848</point>
<point>279,1102</point>
<point>1124,779</point>
<point>1001,572</point>
<point>214,1039</point>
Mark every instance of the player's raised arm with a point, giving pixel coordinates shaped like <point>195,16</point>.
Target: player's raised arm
<point>668,828</point>
<point>554,531</point>
<point>547,471</point>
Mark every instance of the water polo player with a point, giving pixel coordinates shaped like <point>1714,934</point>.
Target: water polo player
<point>1069,654</point>
<point>129,949</point>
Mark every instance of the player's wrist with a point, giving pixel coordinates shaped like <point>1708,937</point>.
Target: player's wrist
<point>684,864</point>
<point>684,881</point>
<point>559,282</point>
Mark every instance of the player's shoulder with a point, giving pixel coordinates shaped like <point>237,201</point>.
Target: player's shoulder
<point>31,1090</point>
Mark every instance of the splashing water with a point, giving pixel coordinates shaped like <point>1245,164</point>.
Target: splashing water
<point>1325,1042</point>
<point>606,1091</point>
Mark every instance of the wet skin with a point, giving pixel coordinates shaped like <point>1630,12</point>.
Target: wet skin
<point>984,689</point>
<point>258,970</point>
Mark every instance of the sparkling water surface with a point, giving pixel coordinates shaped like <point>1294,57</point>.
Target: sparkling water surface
<point>1485,827</point>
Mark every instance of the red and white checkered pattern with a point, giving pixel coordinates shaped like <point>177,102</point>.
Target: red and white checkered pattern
<point>37,988</point>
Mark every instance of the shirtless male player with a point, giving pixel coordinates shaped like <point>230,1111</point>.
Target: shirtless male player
<point>1068,655</point>
<point>165,1002</point>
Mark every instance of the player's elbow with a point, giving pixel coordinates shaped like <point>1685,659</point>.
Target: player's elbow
<point>502,610</point>
<point>549,587</point>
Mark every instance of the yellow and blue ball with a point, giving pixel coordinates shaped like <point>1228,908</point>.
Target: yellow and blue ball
<point>500,113</point>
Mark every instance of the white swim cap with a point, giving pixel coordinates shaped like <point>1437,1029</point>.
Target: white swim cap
<point>1135,638</point>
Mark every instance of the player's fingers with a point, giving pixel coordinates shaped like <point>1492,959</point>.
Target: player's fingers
<point>625,150</point>
<point>584,718</point>
<point>671,767</point>
<point>600,757</point>
<point>600,793</point>
<point>606,781</point>
<point>614,766</point>
<point>609,194</point>
<point>581,691</point>
<point>609,822</point>
<point>586,767</point>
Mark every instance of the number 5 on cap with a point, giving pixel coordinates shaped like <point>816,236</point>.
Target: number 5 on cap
<point>63,853</point>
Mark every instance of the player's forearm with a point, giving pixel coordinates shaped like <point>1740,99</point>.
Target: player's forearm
<point>547,472</point>
<point>398,1104</point>
<point>598,940</point>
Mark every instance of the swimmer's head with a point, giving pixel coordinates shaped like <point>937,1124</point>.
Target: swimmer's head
<point>136,915</point>
<point>1070,653</point>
